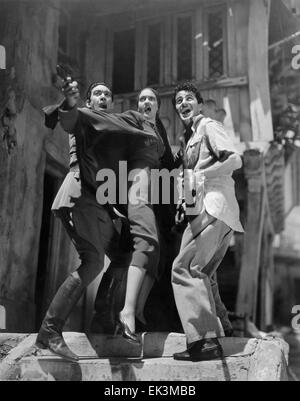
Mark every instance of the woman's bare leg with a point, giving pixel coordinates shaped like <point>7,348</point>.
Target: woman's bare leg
<point>135,280</point>
<point>143,296</point>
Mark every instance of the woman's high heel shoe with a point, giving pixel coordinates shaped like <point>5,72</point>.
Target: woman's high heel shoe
<point>127,334</point>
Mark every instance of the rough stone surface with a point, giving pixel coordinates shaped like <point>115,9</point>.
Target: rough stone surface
<point>293,339</point>
<point>8,342</point>
<point>29,32</point>
<point>114,369</point>
<point>245,360</point>
<point>270,361</point>
<point>154,345</point>
<point>10,365</point>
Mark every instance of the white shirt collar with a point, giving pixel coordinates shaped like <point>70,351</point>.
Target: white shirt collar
<point>196,137</point>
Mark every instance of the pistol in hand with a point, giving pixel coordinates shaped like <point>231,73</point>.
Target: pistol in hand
<point>70,87</point>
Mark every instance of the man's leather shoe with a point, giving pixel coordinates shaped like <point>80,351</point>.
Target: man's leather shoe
<point>203,350</point>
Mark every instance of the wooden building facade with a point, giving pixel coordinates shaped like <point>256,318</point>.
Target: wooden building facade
<point>223,46</point>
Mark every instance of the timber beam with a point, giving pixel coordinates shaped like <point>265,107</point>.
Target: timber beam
<point>256,199</point>
<point>264,172</point>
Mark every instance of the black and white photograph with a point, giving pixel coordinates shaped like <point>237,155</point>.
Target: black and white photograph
<point>150,193</point>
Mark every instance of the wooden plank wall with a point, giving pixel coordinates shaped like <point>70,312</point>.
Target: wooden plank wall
<point>243,92</point>
<point>233,97</point>
<point>235,100</point>
<point>275,172</point>
<point>251,256</point>
<point>259,88</point>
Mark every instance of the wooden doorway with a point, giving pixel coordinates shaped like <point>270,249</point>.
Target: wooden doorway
<point>48,240</point>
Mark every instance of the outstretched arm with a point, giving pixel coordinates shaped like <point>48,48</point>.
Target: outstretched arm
<point>65,112</point>
<point>68,113</point>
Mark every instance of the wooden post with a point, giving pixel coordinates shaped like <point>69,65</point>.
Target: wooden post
<point>258,61</point>
<point>109,57</point>
<point>266,281</point>
<point>256,198</point>
<point>167,54</point>
<point>140,54</point>
<point>263,278</point>
<point>199,42</point>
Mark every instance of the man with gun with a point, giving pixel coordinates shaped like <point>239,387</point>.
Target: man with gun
<point>111,292</point>
<point>102,141</point>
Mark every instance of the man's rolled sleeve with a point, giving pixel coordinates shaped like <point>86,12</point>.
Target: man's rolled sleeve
<point>219,139</point>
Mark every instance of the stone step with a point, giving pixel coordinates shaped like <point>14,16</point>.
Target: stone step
<point>105,358</point>
<point>153,345</point>
<point>114,369</point>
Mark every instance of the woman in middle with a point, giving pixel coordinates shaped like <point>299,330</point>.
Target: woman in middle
<point>149,103</point>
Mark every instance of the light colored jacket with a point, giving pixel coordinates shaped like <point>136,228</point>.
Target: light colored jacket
<point>206,146</point>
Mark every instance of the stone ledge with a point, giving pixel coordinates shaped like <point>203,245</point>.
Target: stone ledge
<point>114,369</point>
<point>102,358</point>
<point>8,342</point>
<point>9,367</point>
<point>154,345</point>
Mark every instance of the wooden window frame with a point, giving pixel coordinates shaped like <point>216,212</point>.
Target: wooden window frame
<point>141,53</point>
<point>206,11</point>
<point>175,45</point>
<point>109,52</point>
<point>162,37</point>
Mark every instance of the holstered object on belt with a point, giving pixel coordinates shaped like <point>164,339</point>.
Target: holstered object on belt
<point>180,218</point>
<point>109,301</point>
<point>188,205</point>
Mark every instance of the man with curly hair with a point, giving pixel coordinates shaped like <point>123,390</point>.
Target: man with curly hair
<point>213,215</point>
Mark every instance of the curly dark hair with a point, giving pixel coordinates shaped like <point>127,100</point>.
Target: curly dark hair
<point>93,85</point>
<point>188,87</point>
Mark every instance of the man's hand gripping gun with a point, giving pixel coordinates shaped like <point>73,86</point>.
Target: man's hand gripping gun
<point>70,86</point>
